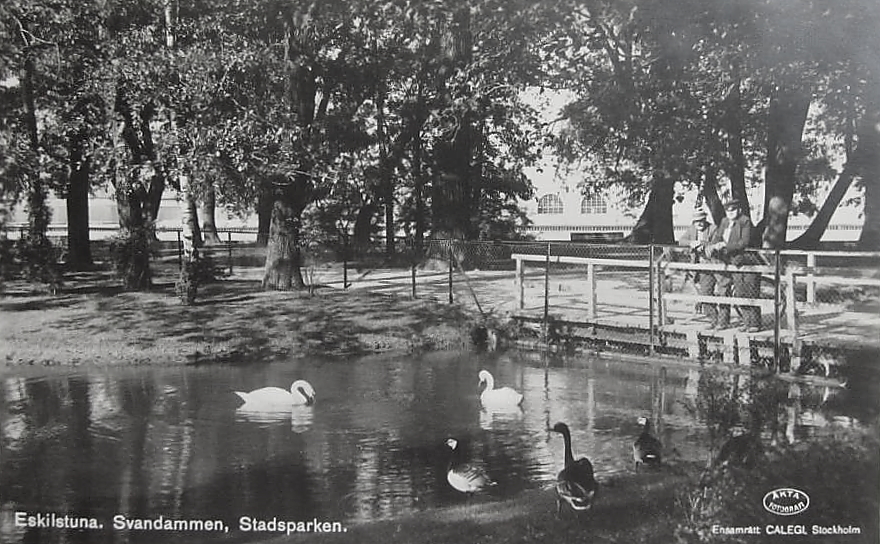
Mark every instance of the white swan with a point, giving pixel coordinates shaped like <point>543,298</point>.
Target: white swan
<point>301,392</point>
<point>503,396</point>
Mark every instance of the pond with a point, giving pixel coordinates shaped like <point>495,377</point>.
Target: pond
<point>146,442</point>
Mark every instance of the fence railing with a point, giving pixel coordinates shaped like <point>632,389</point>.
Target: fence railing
<point>809,296</point>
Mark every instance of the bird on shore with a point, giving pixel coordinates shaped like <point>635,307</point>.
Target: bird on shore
<point>646,448</point>
<point>464,477</point>
<point>301,393</point>
<point>575,484</point>
<point>501,397</point>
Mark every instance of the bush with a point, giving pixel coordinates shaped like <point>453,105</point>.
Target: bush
<point>131,257</point>
<point>838,472</point>
<point>36,259</point>
<point>194,273</point>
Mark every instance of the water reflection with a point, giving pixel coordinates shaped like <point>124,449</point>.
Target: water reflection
<point>175,442</point>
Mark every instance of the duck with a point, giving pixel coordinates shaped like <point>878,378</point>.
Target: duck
<point>501,397</point>
<point>575,484</point>
<point>646,448</point>
<point>464,477</point>
<point>301,393</point>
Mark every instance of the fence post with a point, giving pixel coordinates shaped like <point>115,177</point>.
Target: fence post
<point>661,278</point>
<point>651,299</point>
<point>229,249</point>
<point>791,317</point>
<point>414,280</point>
<point>591,291</point>
<point>344,264</point>
<point>811,282</point>
<point>547,285</point>
<point>179,251</point>
<point>777,315</point>
<point>520,284</point>
<point>450,271</point>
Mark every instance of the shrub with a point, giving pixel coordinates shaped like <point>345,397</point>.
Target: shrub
<point>131,254</point>
<point>839,473</point>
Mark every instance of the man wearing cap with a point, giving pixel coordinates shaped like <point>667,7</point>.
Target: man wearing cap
<point>728,245</point>
<point>698,238</point>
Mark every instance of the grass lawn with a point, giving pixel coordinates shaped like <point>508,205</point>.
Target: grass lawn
<point>232,321</point>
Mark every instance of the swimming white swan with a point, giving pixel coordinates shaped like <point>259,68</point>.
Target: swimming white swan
<point>301,392</point>
<point>503,396</point>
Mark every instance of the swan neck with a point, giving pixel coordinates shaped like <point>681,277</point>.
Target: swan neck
<point>490,382</point>
<point>569,456</point>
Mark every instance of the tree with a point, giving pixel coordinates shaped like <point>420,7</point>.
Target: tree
<point>676,78</point>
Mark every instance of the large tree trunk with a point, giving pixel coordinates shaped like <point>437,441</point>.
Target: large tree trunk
<point>265,202</point>
<point>138,197</point>
<point>869,169</point>
<point>386,183</point>
<point>451,201</point>
<point>283,259</point>
<point>870,237</point>
<point>136,233</point>
<point>863,161</point>
<point>79,253</point>
<point>188,280</point>
<point>737,168</point>
<point>418,194</point>
<point>39,213</point>
<point>654,226</point>
<point>709,192</point>
<point>209,224</point>
<point>785,127</point>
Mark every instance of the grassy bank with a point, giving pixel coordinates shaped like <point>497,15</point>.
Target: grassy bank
<point>232,321</point>
<point>631,508</point>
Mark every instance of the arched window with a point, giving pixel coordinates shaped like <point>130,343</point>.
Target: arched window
<point>550,204</point>
<point>594,205</point>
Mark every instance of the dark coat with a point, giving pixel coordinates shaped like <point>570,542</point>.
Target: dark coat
<point>734,251</point>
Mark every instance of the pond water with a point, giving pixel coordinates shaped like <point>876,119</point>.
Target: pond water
<point>146,442</point>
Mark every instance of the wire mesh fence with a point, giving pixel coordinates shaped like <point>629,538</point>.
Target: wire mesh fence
<point>791,309</point>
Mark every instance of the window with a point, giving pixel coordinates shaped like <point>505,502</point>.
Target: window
<point>550,204</point>
<point>594,205</point>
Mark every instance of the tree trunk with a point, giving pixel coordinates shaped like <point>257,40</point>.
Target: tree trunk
<point>869,170</point>
<point>39,212</point>
<point>79,253</point>
<point>264,214</point>
<point>363,226</point>
<point>737,169</point>
<point>139,195</point>
<point>869,240</point>
<point>133,247</point>
<point>418,194</point>
<point>710,196</point>
<point>655,223</point>
<point>386,184</point>
<point>786,119</point>
<point>452,211</point>
<point>813,235</point>
<point>283,259</point>
<point>209,224</point>
<point>188,280</point>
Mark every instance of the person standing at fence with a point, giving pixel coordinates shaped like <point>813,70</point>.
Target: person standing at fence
<point>728,245</point>
<point>697,238</point>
